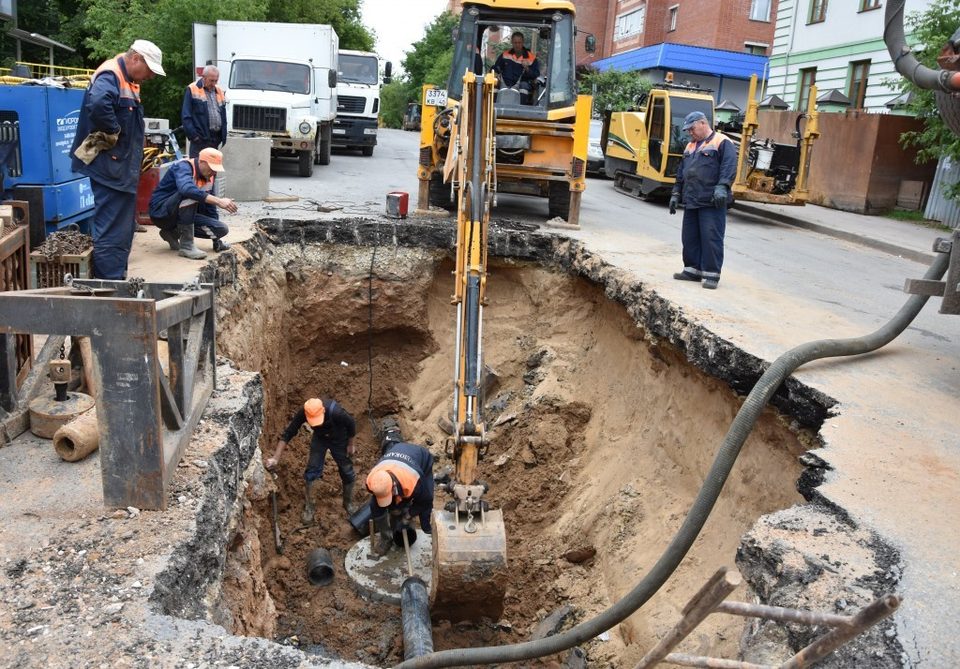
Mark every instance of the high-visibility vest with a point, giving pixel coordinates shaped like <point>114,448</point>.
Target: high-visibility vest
<point>713,143</point>
<point>200,93</point>
<point>526,61</point>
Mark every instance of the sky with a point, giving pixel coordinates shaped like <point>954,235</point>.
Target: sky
<point>398,24</point>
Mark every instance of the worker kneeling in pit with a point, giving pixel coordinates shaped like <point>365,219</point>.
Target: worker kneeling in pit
<point>182,205</point>
<point>402,487</point>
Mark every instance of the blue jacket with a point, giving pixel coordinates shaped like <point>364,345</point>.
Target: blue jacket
<point>112,104</point>
<point>194,116</point>
<point>510,66</point>
<point>183,179</point>
<point>420,502</point>
<point>703,167</point>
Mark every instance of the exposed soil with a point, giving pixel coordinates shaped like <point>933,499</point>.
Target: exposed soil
<point>602,439</point>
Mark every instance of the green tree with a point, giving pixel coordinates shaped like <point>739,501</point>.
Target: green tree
<point>931,29</point>
<point>612,89</point>
<point>423,62</point>
<point>394,98</point>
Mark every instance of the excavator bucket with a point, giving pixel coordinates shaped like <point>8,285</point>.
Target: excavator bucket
<point>469,567</point>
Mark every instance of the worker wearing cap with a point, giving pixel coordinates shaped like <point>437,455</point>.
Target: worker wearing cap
<point>183,206</point>
<point>704,177</point>
<point>204,112</point>
<point>402,487</point>
<point>333,430</point>
<point>108,148</point>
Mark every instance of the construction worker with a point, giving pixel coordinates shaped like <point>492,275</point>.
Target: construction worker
<point>517,66</point>
<point>704,177</point>
<point>333,430</point>
<point>183,207</point>
<point>204,112</point>
<point>108,148</point>
<point>402,487</point>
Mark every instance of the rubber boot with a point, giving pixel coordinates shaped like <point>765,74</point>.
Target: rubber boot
<point>220,245</point>
<point>187,248</point>
<point>348,504</point>
<point>308,507</point>
<point>170,237</point>
<point>383,541</point>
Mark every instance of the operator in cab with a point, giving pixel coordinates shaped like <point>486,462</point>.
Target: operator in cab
<point>402,487</point>
<point>518,66</point>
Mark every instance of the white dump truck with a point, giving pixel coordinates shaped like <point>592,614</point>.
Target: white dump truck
<point>280,80</point>
<point>358,100</point>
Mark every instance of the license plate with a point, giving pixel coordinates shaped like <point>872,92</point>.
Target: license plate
<point>369,131</point>
<point>339,131</point>
<point>436,97</point>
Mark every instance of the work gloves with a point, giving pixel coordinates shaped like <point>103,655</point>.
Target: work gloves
<point>674,201</point>
<point>720,196</point>
<point>94,143</point>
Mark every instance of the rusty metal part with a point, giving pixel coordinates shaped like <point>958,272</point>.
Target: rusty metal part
<point>65,242</point>
<point>48,414</point>
<point>685,660</point>
<point>277,539</point>
<point>781,614</point>
<point>469,568</point>
<point>78,438</point>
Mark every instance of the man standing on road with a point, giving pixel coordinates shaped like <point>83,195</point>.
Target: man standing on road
<point>108,149</point>
<point>704,177</point>
<point>182,205</point>
<point>402,487</point>
<point>204,113</point>
<point>333,430</point>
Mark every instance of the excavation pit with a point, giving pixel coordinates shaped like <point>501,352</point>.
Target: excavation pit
<point>602,434</point>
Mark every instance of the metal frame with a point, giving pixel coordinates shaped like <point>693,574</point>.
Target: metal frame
<point>710,599</point>
<point>949,288</point>
<point>145,416</point>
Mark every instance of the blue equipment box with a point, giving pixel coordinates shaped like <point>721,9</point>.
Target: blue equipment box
<point>45,118</point>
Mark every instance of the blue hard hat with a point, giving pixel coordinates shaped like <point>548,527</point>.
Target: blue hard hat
<point>692,118</point>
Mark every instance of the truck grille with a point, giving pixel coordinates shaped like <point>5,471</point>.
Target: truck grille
<point>268,119</point>
<point>350,104</point>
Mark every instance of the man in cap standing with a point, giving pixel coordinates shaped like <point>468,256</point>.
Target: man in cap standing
<point>704,177</point>
<point>402,487</point>
<point>182,205</point>
<point>108,148</point>
<point>204,112</point>
<point>333,430</point>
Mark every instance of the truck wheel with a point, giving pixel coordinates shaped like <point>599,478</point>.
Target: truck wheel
<point>558,199</point>
<point>323,152</point>
<point>366,150</point>
<point>440,193</point>
<point>306,163</point>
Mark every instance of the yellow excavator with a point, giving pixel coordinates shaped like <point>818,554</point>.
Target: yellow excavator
<point>484,139</point>
<point>541,128</point>
<point>643,147</point>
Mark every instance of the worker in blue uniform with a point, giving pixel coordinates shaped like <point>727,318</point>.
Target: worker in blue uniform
<point>108,149</point>
<point>402,488</point>
<point>183,206</point>
<point>204,112</point>
<point>704,177</point>
<point>517,66</point>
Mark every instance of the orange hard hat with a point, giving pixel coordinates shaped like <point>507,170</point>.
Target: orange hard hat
<point>314,410</point>
<point>380,485</point>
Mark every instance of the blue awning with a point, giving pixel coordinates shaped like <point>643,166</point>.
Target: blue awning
<point>686,58</point>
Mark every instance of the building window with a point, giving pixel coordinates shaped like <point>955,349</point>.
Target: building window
<point>629,24</point>
<point>672,14</point>
<point>756,48</point>
<point>869,4</point>
<point>760,10</point>
<point>857,92</point>
<point>818,11</point>
<point>808,77</point>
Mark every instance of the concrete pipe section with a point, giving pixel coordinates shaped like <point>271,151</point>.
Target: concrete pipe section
<point>381,578</point>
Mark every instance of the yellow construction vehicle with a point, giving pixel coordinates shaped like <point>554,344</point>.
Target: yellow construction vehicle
<point>643,147</point>
<point>541,127</point>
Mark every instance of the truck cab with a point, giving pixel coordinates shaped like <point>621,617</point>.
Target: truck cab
<point>358,100</point>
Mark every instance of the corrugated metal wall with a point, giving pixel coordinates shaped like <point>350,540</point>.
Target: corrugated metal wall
<point>939,208</point>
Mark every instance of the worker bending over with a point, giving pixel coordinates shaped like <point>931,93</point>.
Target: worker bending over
<point>182,205</point>
<point>333,430</point>
<point>402,487</point>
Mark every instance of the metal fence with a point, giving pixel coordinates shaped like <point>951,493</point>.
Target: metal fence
<point>939,207</point>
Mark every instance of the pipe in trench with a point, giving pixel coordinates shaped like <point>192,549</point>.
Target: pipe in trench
<point>723,463</point>
<point>415,613</point>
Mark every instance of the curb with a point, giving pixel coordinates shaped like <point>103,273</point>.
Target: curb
<point>862,240</point>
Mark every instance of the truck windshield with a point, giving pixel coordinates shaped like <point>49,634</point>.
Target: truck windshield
<point>357,69</point>
<point>267,75</point>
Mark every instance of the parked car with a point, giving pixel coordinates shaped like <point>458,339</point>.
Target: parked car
<point>595,158</point>
<point>411,120</point>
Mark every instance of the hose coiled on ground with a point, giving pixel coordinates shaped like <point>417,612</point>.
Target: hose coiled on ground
<point>741,427</point>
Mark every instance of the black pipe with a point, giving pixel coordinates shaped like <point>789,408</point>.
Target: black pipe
<point>415,612</point>
<point>360,520</point>
<point>903,58</point>
<point>320,567</point>
<point>723,463</point>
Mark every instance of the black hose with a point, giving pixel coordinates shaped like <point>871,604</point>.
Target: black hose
<point>775,375</point>
<point>415,615</point>
<point>903,58</point>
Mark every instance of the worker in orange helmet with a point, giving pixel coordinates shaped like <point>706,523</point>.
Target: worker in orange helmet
<point>402,487</point>
<point>333,429</point>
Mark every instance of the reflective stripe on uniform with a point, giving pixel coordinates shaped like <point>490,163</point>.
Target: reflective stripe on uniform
<point>127,89</point>
<point>691,270</point>
<point>200,93</point>
<point>407,476</point>
<point>203,184</point>
<point>713,143</point>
